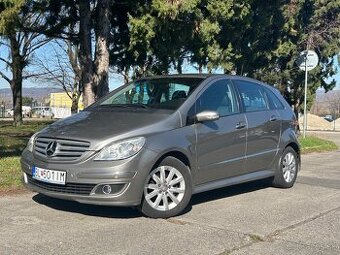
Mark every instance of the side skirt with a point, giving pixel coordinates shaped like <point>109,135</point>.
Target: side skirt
<point>233,181</point>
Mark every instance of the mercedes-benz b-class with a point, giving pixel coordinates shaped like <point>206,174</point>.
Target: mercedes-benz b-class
<point>156,141</point>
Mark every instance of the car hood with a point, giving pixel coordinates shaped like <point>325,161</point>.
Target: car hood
<point>103,127</point>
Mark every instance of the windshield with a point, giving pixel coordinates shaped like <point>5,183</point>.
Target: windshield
<point>162,93</point>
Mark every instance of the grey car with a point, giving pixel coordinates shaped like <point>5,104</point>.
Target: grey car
<point>156,141</point>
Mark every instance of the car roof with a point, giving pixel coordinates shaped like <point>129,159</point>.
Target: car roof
<point>187,75</point>
<point>204,76</point>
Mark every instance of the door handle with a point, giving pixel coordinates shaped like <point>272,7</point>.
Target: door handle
<point>240,125</point>
<point>273,118</point>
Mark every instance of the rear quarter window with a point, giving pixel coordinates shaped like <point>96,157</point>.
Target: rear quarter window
<point>274,101</point>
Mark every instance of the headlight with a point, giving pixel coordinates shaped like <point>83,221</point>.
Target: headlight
<point>31,143</point>
<point>121,150</point>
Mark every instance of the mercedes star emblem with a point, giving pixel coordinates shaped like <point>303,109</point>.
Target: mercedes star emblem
<point>50,149</point>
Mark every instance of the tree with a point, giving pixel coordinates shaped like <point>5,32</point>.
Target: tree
<point>20,46</point>
<point>209,34</point>
<point>91,27</point>
<point>220,37</point>
<point>27,101</point>
<point>160,36</point>
<point>62,68</point>
<point>307,25</point>
<point>251,38</point>
<point>263,41</point>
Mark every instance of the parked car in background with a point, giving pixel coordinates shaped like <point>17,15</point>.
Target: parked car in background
<point>9,113</point>
<point>329,118</point>
<point>26,112</point>
<point>42,112</point>
<point>156,141</point>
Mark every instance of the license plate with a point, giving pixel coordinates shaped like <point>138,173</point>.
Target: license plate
<point>50,176</point>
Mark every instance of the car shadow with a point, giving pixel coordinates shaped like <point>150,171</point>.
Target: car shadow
<point>130,212</point>
<point>90,210</point>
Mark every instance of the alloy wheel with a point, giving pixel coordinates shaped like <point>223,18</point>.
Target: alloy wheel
<point>165,188</point>
<point>289,167</point>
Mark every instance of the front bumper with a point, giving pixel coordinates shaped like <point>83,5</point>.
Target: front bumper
<point>83,179</point>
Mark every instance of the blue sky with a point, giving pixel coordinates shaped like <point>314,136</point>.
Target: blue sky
<point>42,53</point>
<point>115,79</point>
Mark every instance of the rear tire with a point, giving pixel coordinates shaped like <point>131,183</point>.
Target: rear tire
<point>167,189</point>
<point>287,170</point>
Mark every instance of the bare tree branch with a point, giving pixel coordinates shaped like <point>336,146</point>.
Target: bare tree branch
<point>4,44</point>
<point>6,61</point>
<point>33,75</point>
<point>61,69</point>
<point>72,53</point>
<point>5,77</point>
<point>36,46</point>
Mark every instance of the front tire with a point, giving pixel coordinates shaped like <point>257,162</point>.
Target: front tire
<point>286,173</point>
<point>167,190</point>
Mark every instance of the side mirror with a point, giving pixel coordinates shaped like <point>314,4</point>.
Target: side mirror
<point>207,116</point>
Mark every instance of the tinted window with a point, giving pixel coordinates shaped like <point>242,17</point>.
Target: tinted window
<point>252,96</point>
<point>275,102</point>
<point>218,97</point>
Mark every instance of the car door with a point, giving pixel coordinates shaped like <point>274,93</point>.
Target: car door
<point>264,126</point>
<point>221,144</point>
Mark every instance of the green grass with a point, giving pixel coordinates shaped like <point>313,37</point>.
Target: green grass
<point>27,129</point>
<point>13,140</point>
<point>10,173</point>
<point>316,144</point>
<point>256,238</point>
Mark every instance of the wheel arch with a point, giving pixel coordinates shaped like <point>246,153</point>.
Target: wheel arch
<point>295,146</point>
<point>176,154</point>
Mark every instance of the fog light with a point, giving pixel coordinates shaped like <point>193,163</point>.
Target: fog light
<point>109,189</point>
<point>106,189</point>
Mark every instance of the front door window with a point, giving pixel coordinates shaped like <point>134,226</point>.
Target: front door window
<point>218,97</point>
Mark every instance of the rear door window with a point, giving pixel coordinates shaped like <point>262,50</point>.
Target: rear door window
<point>252,96</point>
<point>275,103</point>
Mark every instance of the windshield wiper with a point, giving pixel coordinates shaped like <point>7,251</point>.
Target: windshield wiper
<point>139,105</point>
<point>126,105</point>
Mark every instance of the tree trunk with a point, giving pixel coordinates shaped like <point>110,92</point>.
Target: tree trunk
<point>126,75</point>
<point>17,100</point>
<point>74,106</point>
<point>179,66</point>
<point>102,31</point>
<point>16,82</point>
<point>179,69</point>
<point>296,108</point>
<point>200,68</point>
<point>85,53</point>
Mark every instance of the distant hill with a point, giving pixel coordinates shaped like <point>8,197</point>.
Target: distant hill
<point>37,93</point>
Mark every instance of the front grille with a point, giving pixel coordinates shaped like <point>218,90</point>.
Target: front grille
<point>66,150</point>
<point>69,188</point>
